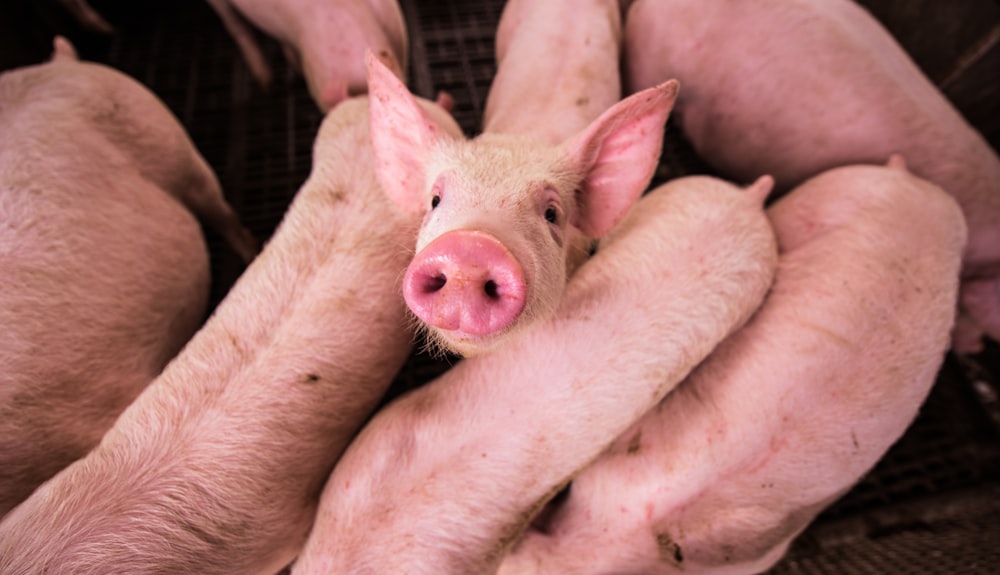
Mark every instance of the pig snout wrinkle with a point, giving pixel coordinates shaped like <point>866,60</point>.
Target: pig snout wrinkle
<point>465,281</point>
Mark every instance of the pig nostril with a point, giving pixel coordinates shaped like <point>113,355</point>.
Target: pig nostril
<point>433,284</point>
<point>491,290</point>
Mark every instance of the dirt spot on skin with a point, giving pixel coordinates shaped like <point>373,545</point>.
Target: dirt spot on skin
<point>635,444</point>
<point>670,552</point>
<point>309,378</point>
<point>582,101</point>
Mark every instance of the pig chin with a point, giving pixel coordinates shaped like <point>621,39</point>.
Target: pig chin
<point>442,342</point>
<point>470,343</point>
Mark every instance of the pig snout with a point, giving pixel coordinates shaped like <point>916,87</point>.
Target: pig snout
<point>466,282</point>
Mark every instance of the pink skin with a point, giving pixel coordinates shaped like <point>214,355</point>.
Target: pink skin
<point>552,86</point>
<point>326,39</point>
<point>553,81</point>
<point>446,478</point>
<point>790,411</point>
<point>465,282</point>
<point>217,467</point>
<point>858,98</point>
<point>105,269</point>
<point>541,202</point>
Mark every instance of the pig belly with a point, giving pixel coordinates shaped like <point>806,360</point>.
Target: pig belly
<point>791,410</point>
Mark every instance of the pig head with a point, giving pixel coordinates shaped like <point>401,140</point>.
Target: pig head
<point>506,217</point>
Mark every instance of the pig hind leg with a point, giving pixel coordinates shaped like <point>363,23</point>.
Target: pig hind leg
<point>979,314</point>
<point>87,16</point>
<point>243,35</point>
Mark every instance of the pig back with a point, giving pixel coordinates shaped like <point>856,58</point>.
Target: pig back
<point>105,277</point>
<point>269,391</point>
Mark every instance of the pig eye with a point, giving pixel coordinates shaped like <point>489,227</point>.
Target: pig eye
<point>551,214</point>
<point>435,201</point>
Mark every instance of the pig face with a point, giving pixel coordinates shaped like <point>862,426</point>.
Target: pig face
<point>506,217</point>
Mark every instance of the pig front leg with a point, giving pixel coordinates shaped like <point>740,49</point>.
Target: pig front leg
<point>791,410</point>
<point>445,479</point>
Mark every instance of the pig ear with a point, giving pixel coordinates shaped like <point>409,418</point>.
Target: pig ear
<point>618,154</point>
<point>401,136</point>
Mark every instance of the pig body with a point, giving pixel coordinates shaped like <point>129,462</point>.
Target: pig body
<point>511,213</point>
<point>443,480</point>
<point>326,39</point>
<point>553,81</point>
<point>790,411</point>
<point>218,465</point>
<point>105,270</point>
<point>792,88</point>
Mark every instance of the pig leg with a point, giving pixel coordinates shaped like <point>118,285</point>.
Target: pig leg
<point>791,410</point>
<point>87,16</point>
<point>979,314</point>
<point>204,198</point>
<point>445,479</point>
<point>243,35</point>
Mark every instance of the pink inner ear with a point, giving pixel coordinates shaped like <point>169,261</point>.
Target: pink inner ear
<point>401,136</point>
<point>619,152</point>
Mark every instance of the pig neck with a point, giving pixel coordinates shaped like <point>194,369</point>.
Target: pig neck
<point>558,67</point>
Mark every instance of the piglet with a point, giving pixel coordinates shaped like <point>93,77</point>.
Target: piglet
<point>794,87</point>
<point>217,467</point>
<point>105,270</point>
<point>445,479</point>
<point>789,412</point>
<point>504,213</point>
<point>327,39</point>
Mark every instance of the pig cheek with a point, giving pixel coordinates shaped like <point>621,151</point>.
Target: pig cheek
<point>545,272</point>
